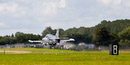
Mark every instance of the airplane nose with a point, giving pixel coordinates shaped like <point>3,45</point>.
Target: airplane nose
<point>72,39</point>
<point>44,39</point>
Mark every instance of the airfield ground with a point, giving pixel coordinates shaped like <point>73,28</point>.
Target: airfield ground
<point>33,56</point>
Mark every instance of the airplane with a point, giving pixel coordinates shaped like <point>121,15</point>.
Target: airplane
<point>52,40</point>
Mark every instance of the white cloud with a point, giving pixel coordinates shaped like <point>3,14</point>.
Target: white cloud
<point>62,3</point>
<point>21,1</point>
<point>12,8</point>
<point>115,2</point>
<point>126,3</point>
<point>34,15</point>
<point>51,8</point>
<point>8,7</point>
<point>2,24</point>
<point>105,1</point>
<point>1,8</point>
<point>18,8</point>
<point>111,2</point>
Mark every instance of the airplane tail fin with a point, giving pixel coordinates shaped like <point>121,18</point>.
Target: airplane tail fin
<point>57,34</point>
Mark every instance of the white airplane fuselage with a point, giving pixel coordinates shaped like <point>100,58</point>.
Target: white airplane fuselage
<point>52,40</point>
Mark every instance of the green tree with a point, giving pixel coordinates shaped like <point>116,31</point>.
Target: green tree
<point>48,30</point>
<point>82,31</point>
<point>22,37</point>
<point>62,34</point>
<point>101,36</point>
<point>125,37</point>
<point>114,39</point>
<point>7,40</point>
<point>19,37</point>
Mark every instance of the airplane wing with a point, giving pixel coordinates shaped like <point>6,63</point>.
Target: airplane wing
<point>37,41</point>
<point>68,40</point>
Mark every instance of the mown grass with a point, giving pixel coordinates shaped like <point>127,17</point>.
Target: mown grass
<point>63,57</point>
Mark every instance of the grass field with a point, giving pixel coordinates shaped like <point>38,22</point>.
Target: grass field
<point>62,57</point>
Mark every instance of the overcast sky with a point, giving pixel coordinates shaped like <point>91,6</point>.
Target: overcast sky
<point>32,16</point>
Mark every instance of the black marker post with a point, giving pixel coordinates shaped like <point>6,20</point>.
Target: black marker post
<point>114,49</point>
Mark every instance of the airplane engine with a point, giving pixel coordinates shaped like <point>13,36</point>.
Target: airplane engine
<point>57,40</point>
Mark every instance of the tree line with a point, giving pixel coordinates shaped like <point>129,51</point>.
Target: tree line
<point>19,37</point>
<point>105,33</point>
